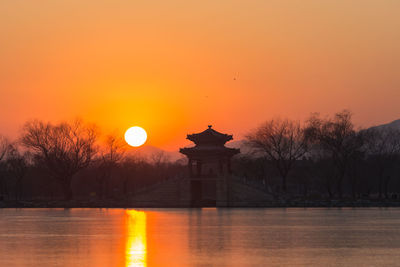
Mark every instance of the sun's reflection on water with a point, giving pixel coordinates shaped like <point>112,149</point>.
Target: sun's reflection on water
<point>136,247</point>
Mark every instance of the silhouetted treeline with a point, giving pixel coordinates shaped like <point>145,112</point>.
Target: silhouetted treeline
<point>322,158</point>
<point>72,160</point>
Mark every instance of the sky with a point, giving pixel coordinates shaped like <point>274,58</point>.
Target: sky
<point>174,67</point>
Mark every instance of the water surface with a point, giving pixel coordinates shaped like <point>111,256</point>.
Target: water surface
<point>200,237</point>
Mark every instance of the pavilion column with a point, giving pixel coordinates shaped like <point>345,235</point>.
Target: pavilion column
<point>198,168</point>
<point>229,165</point>
<point>190,165</point>
<point>221,167</point>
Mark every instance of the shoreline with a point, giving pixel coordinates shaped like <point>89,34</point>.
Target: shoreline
<point>125,205</point>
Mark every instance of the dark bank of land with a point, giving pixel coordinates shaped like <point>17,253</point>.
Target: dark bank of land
<point>322,162</point>
<point>273,204</point>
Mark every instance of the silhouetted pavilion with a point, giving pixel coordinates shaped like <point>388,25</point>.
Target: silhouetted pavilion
<point>209,181</point>
<point>209,166</point>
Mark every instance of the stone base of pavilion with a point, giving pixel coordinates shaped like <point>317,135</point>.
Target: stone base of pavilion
<point>229,192</point>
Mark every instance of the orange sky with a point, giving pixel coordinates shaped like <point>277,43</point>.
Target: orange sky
<point>173,67</point>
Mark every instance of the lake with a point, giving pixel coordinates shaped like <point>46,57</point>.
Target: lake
<point>200,237</point>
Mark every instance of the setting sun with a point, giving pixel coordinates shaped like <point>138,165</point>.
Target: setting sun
<point>135,136</point>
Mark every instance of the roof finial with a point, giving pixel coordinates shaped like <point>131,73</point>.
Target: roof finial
<point>209,126</point>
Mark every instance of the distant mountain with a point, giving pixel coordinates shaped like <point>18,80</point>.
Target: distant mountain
<point>148,152</point>
<point>392,125</point>
<point>245,149</point>
<point>236,144</point>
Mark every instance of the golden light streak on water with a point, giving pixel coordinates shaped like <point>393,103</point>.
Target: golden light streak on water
<point>136,247</point>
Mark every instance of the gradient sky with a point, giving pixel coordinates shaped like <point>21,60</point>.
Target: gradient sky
<point>173,67</point>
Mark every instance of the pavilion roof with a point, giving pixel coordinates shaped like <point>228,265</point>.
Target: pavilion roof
<point>209,136</point>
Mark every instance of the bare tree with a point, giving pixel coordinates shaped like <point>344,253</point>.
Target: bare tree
<point>383,148</point>
<point>338,141</point>
<point>4,148</point>
<point>64,149</point>
<point>283,142</point>
<point>159,158</point>
<point>18,164</point>
<point>111,153</point>
<point>130,169</point>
